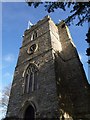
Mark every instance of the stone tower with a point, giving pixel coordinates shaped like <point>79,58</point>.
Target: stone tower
<point>49,80</point>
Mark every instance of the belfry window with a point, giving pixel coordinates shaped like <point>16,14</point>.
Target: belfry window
<point>34,35</point>
<point>30,79</point>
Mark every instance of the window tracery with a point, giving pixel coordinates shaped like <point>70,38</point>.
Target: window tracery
<point>30,79</point>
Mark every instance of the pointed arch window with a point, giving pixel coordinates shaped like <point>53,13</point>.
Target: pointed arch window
<point>34,35</point>
<point>31,79</point>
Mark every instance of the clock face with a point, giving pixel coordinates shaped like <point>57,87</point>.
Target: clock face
<point>32,49</point>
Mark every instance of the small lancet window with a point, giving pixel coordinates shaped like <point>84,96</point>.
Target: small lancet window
<point>30,79</point>
<point>34,35</point>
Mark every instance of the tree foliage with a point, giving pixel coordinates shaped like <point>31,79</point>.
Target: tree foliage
<point>79,10</point>
<point>5,98</point>
<point>88,41</point>
<point>88,36</point>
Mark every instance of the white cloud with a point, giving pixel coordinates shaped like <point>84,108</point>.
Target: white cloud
<point>0,94</point>
<point>9,58</point>
<point>7,74</point>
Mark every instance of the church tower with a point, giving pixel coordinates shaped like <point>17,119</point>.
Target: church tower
<point>49,80</point>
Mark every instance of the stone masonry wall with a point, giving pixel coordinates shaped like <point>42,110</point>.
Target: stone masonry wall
<point>62,84</point>
<point>45,97</point>
<point>72,74</point>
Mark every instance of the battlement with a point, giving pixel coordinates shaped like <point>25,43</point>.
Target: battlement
<point>40,22</point>
<point>49,80</point>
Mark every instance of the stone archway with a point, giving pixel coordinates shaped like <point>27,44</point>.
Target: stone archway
<point>29,113</point>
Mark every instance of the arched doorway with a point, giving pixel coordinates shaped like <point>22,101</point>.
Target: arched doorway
<point>29,113</point>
